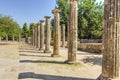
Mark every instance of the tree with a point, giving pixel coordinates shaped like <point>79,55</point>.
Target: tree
<point>25,30</point>
<point>31,28</point>
<point>90,17</point>
<point>8,27</point>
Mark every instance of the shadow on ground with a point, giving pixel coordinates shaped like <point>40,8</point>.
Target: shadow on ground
<point>93,60</point>
<point>87,53</point>
<point>47,77</point>
<point>34,55</point>
<point>28,51</point>
<point>40,61</point>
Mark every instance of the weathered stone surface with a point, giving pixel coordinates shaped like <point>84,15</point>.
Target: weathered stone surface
<point>19,38</point>
<point>13,38</point>
<point>91,47</point>
<point>38,36</point>
<point>63,35</point>
<point>56,41</point>
<point>73,21</point>
<point>33,37</point>
<point>111,38</point>
<point>41,35</point>
<point>47,35</point>
<point>6,38</point>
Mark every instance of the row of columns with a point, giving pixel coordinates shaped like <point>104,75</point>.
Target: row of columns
<point>110,60</point>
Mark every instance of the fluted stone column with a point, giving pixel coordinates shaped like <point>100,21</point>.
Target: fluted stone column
<point>41,35</point>
<point>38,35</point>
<point>19,38</point>
<point>60,35</point>
<point>33,37</point>
<point>111,40</point>
<point>56,37</point>
<point>47,35</point>
<point>63,34</point>
<point>73,21</point>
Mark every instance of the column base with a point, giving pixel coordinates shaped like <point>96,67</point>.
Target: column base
<point>41,49</point>
<point>62,45</point>
<point>47,51</point>
<point>55,55</point>
<point>106,78</point>
<point>70,62</point>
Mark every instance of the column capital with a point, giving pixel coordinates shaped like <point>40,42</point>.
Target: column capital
<point>56,11</point>
<point>42,21</point>
<point>47,17</point>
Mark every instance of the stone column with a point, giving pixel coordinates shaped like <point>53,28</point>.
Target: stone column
<point>73,21</point>
<point>38,35</point>
<point>6,38</point>
<point>56,40</point>
<point>41,35</point>
<point>0,38</point>
<point>33,37</point>
<point>19,38</point>
<point>47,35</point>
<point>13,39</point>
<point>63,34</point>
<point>67,33</point>
<point>26,38</point>
<point>60,34</point>
<point>111,40</point>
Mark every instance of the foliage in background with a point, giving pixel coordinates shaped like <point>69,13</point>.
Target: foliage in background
<point>9,27</point>
<point>90,17</point>
<point>31,28</point>
<point>27,31</point>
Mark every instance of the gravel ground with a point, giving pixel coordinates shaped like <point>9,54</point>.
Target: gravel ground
<point>19,61</point>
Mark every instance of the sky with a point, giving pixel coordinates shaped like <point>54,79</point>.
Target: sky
<point>27,10</point>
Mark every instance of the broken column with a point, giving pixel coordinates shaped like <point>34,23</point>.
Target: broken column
<point>56,37</point>
<point>47,35</point>
<point>63,34</point>
<point>73,21</point>
<point>41,35</point>
<point>111,40</point>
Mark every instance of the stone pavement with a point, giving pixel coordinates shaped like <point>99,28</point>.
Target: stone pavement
<point>23,62</point>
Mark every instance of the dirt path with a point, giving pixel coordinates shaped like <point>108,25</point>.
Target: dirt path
<point>23,62</point>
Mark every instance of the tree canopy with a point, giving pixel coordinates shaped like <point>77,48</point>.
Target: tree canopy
<point>9,27</point>
<point>90,17</point>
